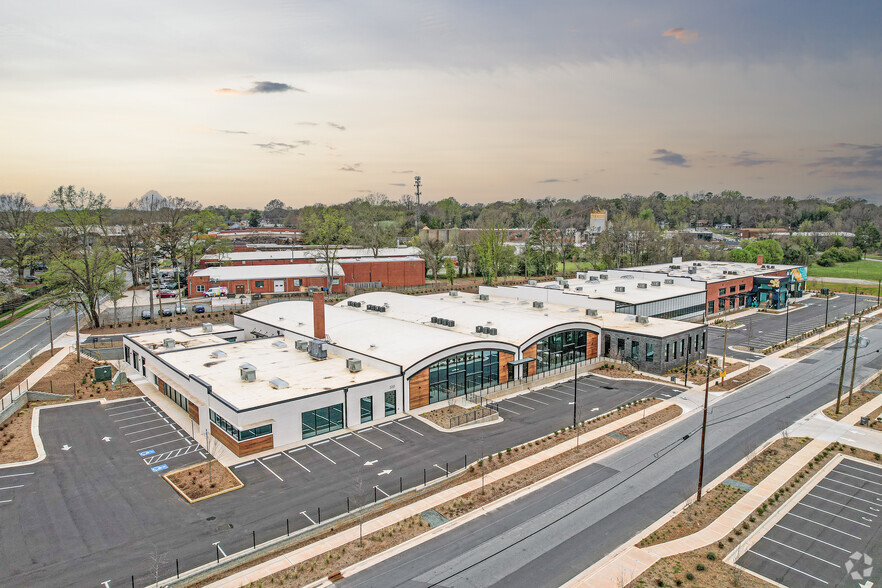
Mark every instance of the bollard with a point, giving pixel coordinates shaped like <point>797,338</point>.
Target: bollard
<point>253,540</point>
<point>177,569</point>
<point>400,484</point>
<point>446,469</point>
<point>217,552</point>
<point>287,527</point>
<point>347,505</point>
<point>133,581</point>
<point>375,494</point>
<point>465,461</point>
<point>424,477</point>
<point>319,515</point>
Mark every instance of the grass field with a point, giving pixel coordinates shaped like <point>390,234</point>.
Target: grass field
<point>861,270</point>
<point>863,289</point>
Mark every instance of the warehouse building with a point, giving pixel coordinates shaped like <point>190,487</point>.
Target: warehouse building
<point>294,370</point>
<point>265,279</point>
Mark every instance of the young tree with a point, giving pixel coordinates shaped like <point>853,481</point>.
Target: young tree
<point>432,251</point>
<point>370,223</point>
<point>542,243</point>
<point>81,263</point>
<point>449,270</point>
<point>16,218</point>
<point>489,248</point>
<point>326,228</point>
<point>254,218</point>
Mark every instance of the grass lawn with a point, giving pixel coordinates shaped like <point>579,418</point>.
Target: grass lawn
<point>862,289</point>
<point>862,270</point>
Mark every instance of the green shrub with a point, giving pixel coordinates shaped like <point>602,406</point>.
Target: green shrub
<point>711,555</point>
<point>690,576</point>
<point>700,567</point>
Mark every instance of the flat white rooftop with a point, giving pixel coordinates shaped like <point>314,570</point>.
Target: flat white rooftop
<point>712,271</point>
<point>235,256</point>
<point>186,338</point>
<point>632,294</point>
<point>304,375</point>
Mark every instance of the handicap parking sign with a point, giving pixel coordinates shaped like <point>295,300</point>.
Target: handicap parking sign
<point>159,468</point>
<point>148,452</point>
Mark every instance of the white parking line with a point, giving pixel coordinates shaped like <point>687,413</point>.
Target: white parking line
<point>16,475</point>
<point>840,504</point>
<point>525,397</point>
<point>833,515</point>
<point>158,444</point>
<point>852,485</point>
<point>813,538</point>
<point>404,418</point>
<point>408,428</point>
<point>517,404</point>
<point>346,448</point>
<point>269,470</point>
<point>564,394</point>
<point>148,429</point>
<point>802,552</point>
<point>822,525</point>
<point>129,412</point>
<point>242,465</point>
<point>546,395</point>
<point>113,411</point>
<point>320,442</point>
<point>390,434</point>
<point>381,490</point>
<point>271,457</point>
<point>12,487</point>
<point>366,440</point>
<point>847,494</point>
<point>439,467</point>
<point>842,465</point>
<point>857,478</point>
<point>4,501</point>
<point>153,437</point>
<point>322,454</point>
<point>786,566</point>
<point>344,436</point>
<point>297,462</point>
<point>508,409</point>
<point>141,423</point>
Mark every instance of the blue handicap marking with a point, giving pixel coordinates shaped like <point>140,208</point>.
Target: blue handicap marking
<point>148,452</point>
<point>159,468</point>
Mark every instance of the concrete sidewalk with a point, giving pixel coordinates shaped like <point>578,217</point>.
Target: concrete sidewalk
<point>299,555</point>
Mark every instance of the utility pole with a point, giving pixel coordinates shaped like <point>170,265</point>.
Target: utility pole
<point>77,321</point>
<point>51,338</point>
<point>416,220</point>
<point>842,370</point>
<point>827,309</point>
<point>723,367</point>
<point>703,431</point>
<point>786,321</point>
<point>686,367</point>
<point>857,340</point>
<point>575,391</point>
<point>149,282</point>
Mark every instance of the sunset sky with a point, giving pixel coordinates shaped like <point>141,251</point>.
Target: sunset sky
<point>240,102</point>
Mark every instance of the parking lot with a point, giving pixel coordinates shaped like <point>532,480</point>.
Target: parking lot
<point>153,436</point>
<point>830,537</point>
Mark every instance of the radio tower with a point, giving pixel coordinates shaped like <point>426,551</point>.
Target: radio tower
<point>416,220</point>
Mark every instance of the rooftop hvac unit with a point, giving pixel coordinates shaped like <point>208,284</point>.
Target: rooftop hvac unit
<point>566,284</point>
<point>642,285</point>
<point>278,384</point>
<point>591,312</point>
<point>655,283</point>
<point>434,320</point>
<point>669,281</point>
<point>279,344</point>
<point>538,304</point>
<point>381,308</point>
<point>675,267</point>
<point>301,345</point>
<point>479,329</point>
<point>627,277</point>
<point>490,331</point>
<point>531,282</point>
<point>559,279</point>
<point>620,288</point>
<point>579,288</point>
<point>451,323</point>
<point>218,354</point>
<point>483,297</point>
<point>692,270</point>
<point>353,365</point>
<point>168,343</point>
<point>317,349</point>
<point>604,276</point>
<point>206,327</point>
<point>696,263</point>
<point>643,320</point>
<point>247,372</point>
<point>453,293</point>
<point>734,272</point>
<point>593,279</point>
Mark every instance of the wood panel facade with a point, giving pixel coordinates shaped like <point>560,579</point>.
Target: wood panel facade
<point>590,345</point>
<point>504,358</point>
<point>419,389</point>
<point>242,448</point>
<point>530,368</point>
<point>193,411</point>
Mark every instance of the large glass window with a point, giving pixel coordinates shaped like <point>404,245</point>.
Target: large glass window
<point>667,352</point>
<point>710,307</point>
<point>650,351</point>
<point>560,349</point>
<point>635,350</point>
<point>176,396</point>
<point>321,421</point>
<point>367,409</point>
<point>389,401</point>
<point>465,372</point>
<point>235,433</point>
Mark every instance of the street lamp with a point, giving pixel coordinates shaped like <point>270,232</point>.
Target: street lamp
<point>51,338</point>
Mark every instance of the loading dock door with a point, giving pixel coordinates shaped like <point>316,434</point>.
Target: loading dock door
<point>278,285</point>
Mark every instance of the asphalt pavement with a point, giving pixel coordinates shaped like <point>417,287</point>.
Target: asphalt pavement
<point>94,511</point>
<point>553,535</point>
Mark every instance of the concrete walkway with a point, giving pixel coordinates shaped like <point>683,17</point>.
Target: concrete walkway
<point>370,526</point>
<point>630,561</point>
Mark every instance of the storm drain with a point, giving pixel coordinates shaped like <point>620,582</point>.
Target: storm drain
<point>617,436</point>
<point>737,484</point>
<point>434,518</point>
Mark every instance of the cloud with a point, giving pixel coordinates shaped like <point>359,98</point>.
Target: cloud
<point>232,132</point>
<point>669,158</point>
<point>681,34</point>
<point>336,126</point>
<point>399,185</point>
<point>261,88</point>
<point>549,181</point>
<point>307,124</point>
<point>859,161</point>
<point>276,147</point>
<point>750,159</point>
<point>404,171</point>
<point>355,167</point>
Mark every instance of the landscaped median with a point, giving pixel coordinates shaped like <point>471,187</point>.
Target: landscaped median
<point>203,480</point>
<point>508,473</point>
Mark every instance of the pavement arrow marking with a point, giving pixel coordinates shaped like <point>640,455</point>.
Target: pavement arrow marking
<point>106,439</point>
<point>371,462</point>
<point>65,447</point>
<point>384,472</point>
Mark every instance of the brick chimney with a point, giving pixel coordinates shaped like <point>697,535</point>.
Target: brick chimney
<point>318,314</point>
<point>759,259</point>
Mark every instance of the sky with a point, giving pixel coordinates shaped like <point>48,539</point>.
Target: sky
<point>237,103</point>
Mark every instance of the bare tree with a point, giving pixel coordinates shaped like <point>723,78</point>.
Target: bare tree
<point>326,228</point>
<point>16,218</point>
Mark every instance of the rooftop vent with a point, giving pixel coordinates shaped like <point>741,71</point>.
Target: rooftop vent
<point>642,285</point>
<point>318,349</point>
<point>479,329</point>
<point>566,284</point>
<point>620,288</point>
<point>669,281</point>
<point>692,270</point>
<point>301,345</point>
<point>206,327</point>
<point>434,320</point>
<point>579,288</point>
<point>278,384</point>
<point>538,304</point>
<point>643,320</point>
<point>353,365</point>
<point>591,312</point>
<point>627,277</point>
<point>655,283</point>
<point>217,354</point>
<point>483,297</point>
<point>490,330</point>
<point>604,276</point>
<point>453,293</point>
<point>354,303</point>
<point>168,343</point>
<point>247,372</point>
<point>531,282</point>
<point>279,344</point>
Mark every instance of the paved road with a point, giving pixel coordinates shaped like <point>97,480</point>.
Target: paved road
<point>562,529</point>
<point>96,512</point>
<point>761,329</point>
<point>30,334</point>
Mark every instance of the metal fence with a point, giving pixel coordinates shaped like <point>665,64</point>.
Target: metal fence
<point>473,416</point>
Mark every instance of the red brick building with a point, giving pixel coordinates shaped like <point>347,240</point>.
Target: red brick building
<point>265,279</point>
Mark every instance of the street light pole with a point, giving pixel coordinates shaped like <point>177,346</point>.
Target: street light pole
<point>575,391</point>
<point>51,337</point>
<point>857,340</point>
<point>77,321</point>
<point>786,321</point>
<point>827,309</point>
<point>703,431</point>
<point>842,369</point>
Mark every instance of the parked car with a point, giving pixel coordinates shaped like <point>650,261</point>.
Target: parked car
<point>166,294</point>
<point>180,309</point>
<point>199,309</point>
<point>168,286</point>
<point>167,312</point>
<point>216,291</point>
<point>145,315</point>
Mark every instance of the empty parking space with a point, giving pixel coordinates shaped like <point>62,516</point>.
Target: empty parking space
<point>829,537</point>
<point>11,484</point>
<point>154,436</point>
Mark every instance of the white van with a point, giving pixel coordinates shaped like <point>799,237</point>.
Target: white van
<point>215,292</point>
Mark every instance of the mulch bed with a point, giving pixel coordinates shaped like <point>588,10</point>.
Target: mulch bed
<point>24,371</point>
<point>203,480</point>
<point>616,371</point>
<point>75,379</point>
<point>442,416</point>
<point>741,379</point>
<point>858,399</point>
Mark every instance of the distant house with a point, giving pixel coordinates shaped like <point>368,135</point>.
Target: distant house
<point>702,223</point>
<point>722,226</point>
